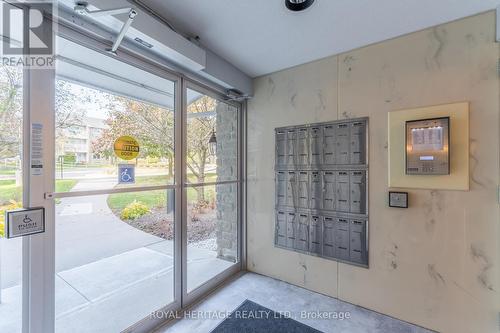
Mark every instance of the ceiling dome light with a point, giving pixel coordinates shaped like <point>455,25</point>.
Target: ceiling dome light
<point>298,5</point>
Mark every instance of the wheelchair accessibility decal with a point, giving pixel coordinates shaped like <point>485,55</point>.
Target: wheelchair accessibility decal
<point>24,222</point>
<point>126,174</point>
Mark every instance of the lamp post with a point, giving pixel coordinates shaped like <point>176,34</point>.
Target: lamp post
<point>212,144</point>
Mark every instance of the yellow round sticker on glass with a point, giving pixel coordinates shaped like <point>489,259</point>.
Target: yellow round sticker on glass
<point>126,147</point>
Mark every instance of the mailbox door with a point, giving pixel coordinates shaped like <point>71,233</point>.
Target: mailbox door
<point>342,239</point>
<point>303,189</point>
<point>302,147</point>
<point>291,189</point>
<point>302,236</point>
<point>316,144</point>
<point>329,237</point>
<point>290,230</point>
<point>329,190</point>
<point>315,235</point>
<point>291,144</point>
<point>358,142</point>
<point>281,148</point>
<point>342,191</point>
<point>316,190</point>
<point>281,229</point>
<point>281,188</point>
<point>358,250</point>
<point>358,192</point>
<point>342,139</point>
<point>329,147</point>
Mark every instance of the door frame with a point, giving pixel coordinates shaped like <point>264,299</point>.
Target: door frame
<point>189,298</point>
<point>38,273</point>
<point>38,262</point>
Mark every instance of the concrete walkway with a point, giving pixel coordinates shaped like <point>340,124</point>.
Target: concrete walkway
<point>109,275</point>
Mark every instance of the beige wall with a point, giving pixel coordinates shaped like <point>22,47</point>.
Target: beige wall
<point>436,263</point>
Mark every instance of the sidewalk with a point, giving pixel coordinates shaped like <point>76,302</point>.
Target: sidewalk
<point>109,275</point>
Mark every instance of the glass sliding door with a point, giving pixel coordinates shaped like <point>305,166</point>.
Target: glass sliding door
<point>141,186</point>
<point>115,209</point>
<point>212,187</point>
<point>11,194</point>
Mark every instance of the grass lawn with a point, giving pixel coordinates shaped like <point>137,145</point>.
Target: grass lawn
<point>155,199</point>
<point>65,185</point>
<point>152,199</point>
<point>7,171</point>
<point>9,191</point>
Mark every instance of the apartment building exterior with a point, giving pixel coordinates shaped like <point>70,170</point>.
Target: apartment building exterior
<point>74,142</point>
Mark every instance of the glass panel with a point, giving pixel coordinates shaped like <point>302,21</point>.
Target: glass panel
<point>86,136</point>
<point>114,128</point>
<point>114,259</point>
<point>212,230</point>
<point>114,252</point>
<point>11,140</point>
<point>212,139</point>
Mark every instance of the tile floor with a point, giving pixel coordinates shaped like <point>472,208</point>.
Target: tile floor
<point>297,302</point>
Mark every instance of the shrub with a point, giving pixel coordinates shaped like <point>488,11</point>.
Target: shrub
<point>11,206</point>
<point>69,158</point>
<point>134,210</point>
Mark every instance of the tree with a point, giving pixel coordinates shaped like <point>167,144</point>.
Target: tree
<point>11,111</point>
<point>68,101</point>
<point>153,126</point>
<point>201,123</point>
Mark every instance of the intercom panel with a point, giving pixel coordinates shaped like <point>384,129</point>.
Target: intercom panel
<point>428,146</point>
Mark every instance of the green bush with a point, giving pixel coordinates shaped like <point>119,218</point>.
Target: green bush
<point>11,206</point>
<point>134,210</point>
<point>69,158</point>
